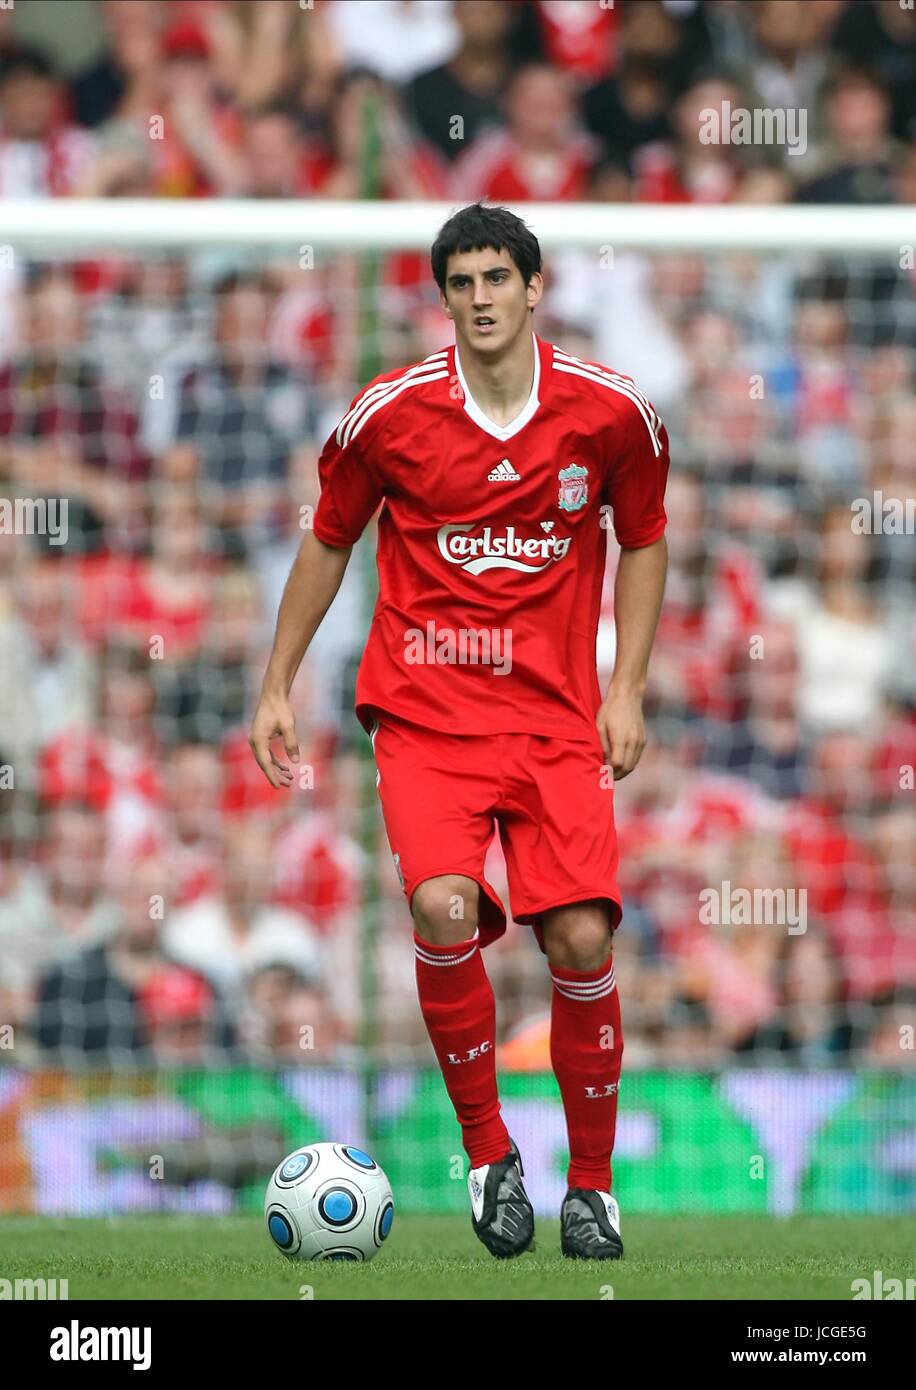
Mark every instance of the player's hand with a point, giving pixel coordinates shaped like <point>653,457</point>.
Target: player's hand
<point>274,718</point>
<point>622,731</point>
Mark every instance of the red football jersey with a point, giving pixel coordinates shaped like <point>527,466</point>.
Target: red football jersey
<point>492,540</point>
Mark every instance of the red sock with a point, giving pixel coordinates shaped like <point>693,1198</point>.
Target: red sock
<point>586,1047</point>
<point>456,1000</point>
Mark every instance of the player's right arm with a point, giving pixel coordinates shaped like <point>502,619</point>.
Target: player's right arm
<point>350,494</point>
<point>313,581</point>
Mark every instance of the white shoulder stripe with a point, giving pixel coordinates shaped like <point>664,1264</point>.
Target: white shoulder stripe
<point>613,377</point>
<point>368,410</point>
<point>382,388</point>
<point>623,391</point>
<point>597,367</point>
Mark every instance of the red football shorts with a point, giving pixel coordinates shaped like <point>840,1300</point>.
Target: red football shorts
<point>443,795</point>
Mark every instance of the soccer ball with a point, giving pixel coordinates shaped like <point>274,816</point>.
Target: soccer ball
<point>328,1202</point>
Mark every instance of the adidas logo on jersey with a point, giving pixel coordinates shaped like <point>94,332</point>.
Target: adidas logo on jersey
<point>503,473</point>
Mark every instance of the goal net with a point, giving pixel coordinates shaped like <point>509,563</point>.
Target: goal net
<point>215,972</point>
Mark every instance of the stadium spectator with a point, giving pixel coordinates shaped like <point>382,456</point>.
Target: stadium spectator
<point>208,696</point>
<point>8,43</point>
<point>814,1028</point>
<point>625,313</point>
<point>837,617</point>
<point>658,54</point>
<point>713,606</point>
<point>890,477</point>
<point>712,341</point>
<point>580,40</point>
<point>144,323</point>
<point>679,826</point>
<point>116,1003</point>
<point>764,183</point>
<point>222,935</point>
<point>895,754</point>
<point>765,744</point>
<point>729,964</point>
<point>858,161</point>
<point>65,431</point>
<point>542,153</point>
<point>826,833</point>
<point>16,823</point>
<point>288,1015</point>
<point>789,62</point>
<point>128,61</point>
<point>41,155</point>
<point>114,766</point>
<point>192,787</point>
<point>243,411</point>
<point>177,1010</point>
<point>318,873</point>
<point>392,162</point>
<point>172,132</point>
<point>395,38</point>
<point>905,176</point>
<point>892,840</point>
<point>815,388</point>
<point>167,597</point>
<point>891,1022</point>
<point>338,642</point>
<point>257,51</point>
<point>675,44</point>
<point>884,31</point>
<point>130,748</point>
<point>49,677</point>
<point>55,906</point>
<point>629,109</point>
<point>277,162</point>
<point>686,168</point>
<point>454,103</point>
<point>687,1037</point>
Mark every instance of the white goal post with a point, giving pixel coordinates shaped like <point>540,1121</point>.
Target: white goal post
<point>91,223</point>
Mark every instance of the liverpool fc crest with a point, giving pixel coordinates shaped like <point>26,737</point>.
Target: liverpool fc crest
<point>573,488</point>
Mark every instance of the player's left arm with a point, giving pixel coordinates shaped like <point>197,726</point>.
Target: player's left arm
<point>638,595</point>
<point>636,490</point>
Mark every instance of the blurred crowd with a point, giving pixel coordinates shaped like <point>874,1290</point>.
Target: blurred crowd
<point>158,901</point>
<point>503,99</point>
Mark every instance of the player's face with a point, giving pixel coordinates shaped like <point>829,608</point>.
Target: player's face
<point>488,300</point>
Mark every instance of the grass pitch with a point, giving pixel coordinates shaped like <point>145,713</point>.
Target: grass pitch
<point>199,1257</point>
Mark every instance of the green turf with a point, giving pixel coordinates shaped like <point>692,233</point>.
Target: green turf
<point>179,1257</point>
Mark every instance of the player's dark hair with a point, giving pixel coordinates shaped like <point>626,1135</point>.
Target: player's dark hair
<point>477,228</point>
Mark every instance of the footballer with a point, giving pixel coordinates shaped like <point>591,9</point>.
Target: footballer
<point>497,462</point>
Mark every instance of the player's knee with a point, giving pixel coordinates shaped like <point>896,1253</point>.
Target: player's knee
<point>578,937</point>
<point>445,909</point>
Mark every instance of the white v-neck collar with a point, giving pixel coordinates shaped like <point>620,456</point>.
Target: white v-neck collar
<point>521,420</point>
